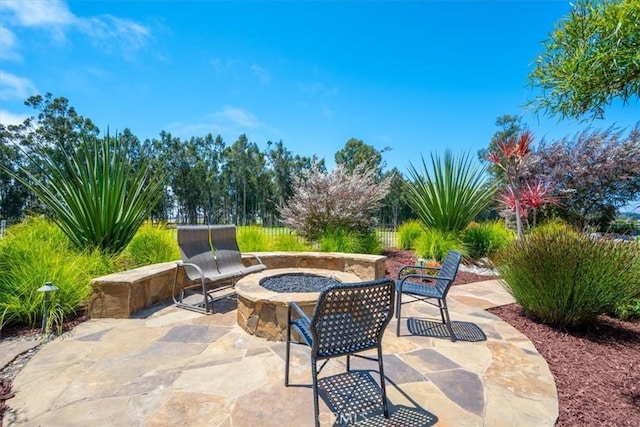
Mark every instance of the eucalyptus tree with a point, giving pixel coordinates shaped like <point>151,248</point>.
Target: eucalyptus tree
<point>55,132</point>
<point>243,170</point>
<point>356,152</point>
<point>395,208</point>
<point>13,195</point>
<point>212,157</point>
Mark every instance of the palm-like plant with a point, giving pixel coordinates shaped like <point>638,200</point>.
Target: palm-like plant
<point>97,195</point>
<point>452,195</point>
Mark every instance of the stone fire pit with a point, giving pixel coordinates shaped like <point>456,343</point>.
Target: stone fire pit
<point>263,312</point>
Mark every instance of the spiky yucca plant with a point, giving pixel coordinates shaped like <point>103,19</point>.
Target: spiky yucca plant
<point>450,196</point>
<point>97,195</point>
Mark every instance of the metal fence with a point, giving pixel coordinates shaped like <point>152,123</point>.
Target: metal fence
<point>387,235</point>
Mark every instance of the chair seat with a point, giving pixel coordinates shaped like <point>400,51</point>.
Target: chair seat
<point>421,289</point>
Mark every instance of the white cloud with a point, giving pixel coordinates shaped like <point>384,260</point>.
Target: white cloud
<point>108,32</point>
<point>15,87</point>
<point>229,122</point>
<point>8,118</point>
<point>7,44</point>
<point>111,33</point>
<point>236,117</point>
<point>39,13</point>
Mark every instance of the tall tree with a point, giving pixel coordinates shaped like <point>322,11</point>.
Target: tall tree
<point>591,58</point>
<point>395,207</point>
<point>355,153</point>
<point>13,194</point>
<point>244,167</point>
<point>509,127</point>
<point>54,133</point>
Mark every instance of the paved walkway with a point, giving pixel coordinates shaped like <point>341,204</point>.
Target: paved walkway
<point>174,367</point>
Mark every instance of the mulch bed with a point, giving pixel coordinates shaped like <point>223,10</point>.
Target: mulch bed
<point>597,371</point>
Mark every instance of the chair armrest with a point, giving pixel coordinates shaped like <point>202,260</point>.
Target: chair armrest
<point>421,276</point>
<point>198,269</point>
<point>298,309</point>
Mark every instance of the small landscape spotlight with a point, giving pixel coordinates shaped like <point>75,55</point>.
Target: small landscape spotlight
<point>47,288</point>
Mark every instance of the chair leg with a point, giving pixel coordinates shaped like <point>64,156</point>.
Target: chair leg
<point>445,311</point>
<point>348,362</point>
<point>385,405</point>
<point>398,309</point>
<point>316,406</point>
<point>287,354</point>
<point>175,283</point>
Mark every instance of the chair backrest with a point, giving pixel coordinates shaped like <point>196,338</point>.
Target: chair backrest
<point>226,248</point>
<point>351,317</point>
<point>195,248</point>
<point>449,269</point>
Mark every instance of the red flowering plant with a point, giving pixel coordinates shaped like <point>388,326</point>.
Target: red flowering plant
<point>511,156</point>
<point>533,195</point>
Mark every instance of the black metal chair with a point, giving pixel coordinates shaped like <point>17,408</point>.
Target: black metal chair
<point>349,318</point>
<point>413,281</point>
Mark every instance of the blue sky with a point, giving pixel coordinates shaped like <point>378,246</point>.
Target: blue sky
<point>414,76</point>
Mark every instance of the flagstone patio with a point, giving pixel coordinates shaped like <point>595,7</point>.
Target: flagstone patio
<point>169,366</point>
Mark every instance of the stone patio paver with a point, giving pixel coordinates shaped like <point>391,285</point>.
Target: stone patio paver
<point>175,367</point>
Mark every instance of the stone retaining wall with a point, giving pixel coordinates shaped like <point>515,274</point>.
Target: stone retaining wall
<point>119,295</point>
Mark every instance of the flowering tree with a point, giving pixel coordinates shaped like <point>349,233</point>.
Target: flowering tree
<point>339,199</point>
<point>533,195</point>
<point>510,157</point>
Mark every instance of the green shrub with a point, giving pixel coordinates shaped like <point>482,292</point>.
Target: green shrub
<point>627,310</point>
<point>151,244</point>
<point>252,239</point>
<point>554,226</point>
<point>35,252</point>
<point>483,240</point>
<point>566,279</point>
<point>288,242</point>
<point>350,241</point>
<point>434,244</point>
<point>408,233</point>
<point>340,240</point>
<point>370,243</point>
<point>624,226</point>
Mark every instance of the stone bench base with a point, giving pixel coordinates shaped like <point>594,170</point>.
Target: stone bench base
<point>119,295</point>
